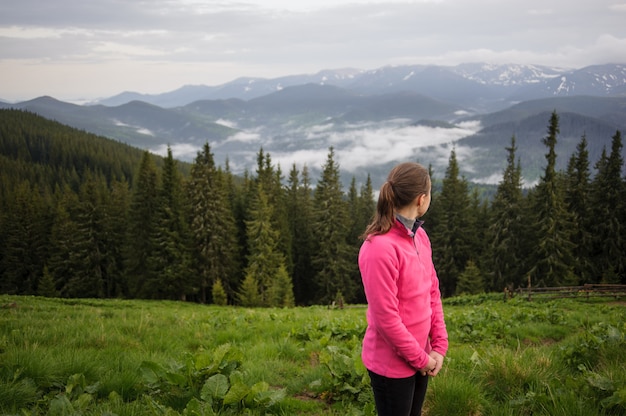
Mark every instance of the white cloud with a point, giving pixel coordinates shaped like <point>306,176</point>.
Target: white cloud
<point>140,130</point>
<point>145,131</point>
<point>540,12</point>
<point>227,123</point>
<point>120,49</point>
<point>618,7</point>
<point>99,48</point>
<point>244,137</point>
<point>365,147</point>
<point>19,32</point>
<point>181,151</point>
<point>311,157</point>
<point>493,179</point>
<point>120,124</point>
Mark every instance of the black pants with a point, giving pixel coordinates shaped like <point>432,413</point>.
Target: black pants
<point>399,396</point>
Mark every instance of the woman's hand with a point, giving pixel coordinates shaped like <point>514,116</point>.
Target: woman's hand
<point>438,358</point>
<point>430,367</point>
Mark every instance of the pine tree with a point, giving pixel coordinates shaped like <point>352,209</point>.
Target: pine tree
<point>46,285</point>
<point>299,204</point>
<point>89,255</point>
<point>553,259</point>
<point>249,295</point>
<point>506,229</point>
<point>578,201</point>
<point>171,258</point>
<point>479,215</point>
<point>353,213</point>
<point>280,292</point>
<point>470,281</point>
<point>116,211</point>
<point>244,196</point>
<point>212,225</point>
<point>355,229</point>
<point>62,241</point>
<point>219,294</point>
<point>25,242</point>
<point>265,260</point>
<point>361,208</point>
<point>270,178</point>
<point>367,208</point>
<point>332,259</point>
<point>142,229</point>
<point>451,245</point>
<point>232,186</point>
<point>608,203</point>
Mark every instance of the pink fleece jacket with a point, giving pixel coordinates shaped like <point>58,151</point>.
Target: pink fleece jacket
<point>404,315</point>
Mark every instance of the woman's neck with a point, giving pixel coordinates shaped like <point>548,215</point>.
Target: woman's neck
<point>410,212</point>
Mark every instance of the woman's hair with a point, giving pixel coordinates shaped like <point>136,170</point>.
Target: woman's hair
<point>404,183</point>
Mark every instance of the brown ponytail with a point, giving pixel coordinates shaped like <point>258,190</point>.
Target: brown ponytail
<point>404,183</point>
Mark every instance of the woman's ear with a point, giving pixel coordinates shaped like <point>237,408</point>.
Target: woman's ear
<point>420,199</point>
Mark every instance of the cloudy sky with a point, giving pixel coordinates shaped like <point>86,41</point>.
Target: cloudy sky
<point>86,49</point>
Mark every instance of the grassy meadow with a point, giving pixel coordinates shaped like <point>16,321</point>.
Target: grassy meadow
<point>119,357</point>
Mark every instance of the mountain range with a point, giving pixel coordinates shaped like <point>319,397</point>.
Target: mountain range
<point>372,119</point>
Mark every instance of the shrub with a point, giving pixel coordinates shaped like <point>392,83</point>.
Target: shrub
<point>219,294</point>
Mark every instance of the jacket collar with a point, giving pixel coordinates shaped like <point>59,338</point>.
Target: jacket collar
<point>410,225</point>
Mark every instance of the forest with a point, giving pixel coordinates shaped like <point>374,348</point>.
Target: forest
<point>82,216</point>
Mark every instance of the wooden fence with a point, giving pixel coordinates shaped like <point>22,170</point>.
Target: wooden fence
<point>584,291</point>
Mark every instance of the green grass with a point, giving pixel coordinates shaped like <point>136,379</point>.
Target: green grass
<point>94,357</point>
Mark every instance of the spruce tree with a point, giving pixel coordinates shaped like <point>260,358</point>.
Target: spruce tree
<point>478,216</point>
<point>27,230</point>
<point>63,243</point>
<point>299,203</point>
<point>506,228</point>
<point>353,213</point>
<point>608,211</point>
<point>212,226</point>
<point>116,210</point>
<point>355,229</point>
<point>249,295</point>
<point>333,260</point>
<point>233,262</point>
<point>367,205</point>
<point>246,196</point>
<point>47,286</point>
<point>171,258</point>
<point>89,255</point>
<point>451,248</point>
<point>470,280</point>
<point>270,177</point>
<point>552,263</point>
<point>361,207</point>
<point>265,260</point>
<point>280,292</point>
<point>232,187</point>
<point>578,201</point>
<point>218,294</point>
<point>142,229</point>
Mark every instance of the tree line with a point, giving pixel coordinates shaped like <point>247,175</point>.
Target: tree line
<point>85,216</point>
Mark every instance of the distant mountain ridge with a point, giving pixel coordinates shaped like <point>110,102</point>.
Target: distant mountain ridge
<point>242,88</point>
<point>497,83</point>
<point>372,118</point>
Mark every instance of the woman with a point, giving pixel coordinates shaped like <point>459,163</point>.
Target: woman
<point>406,338</point>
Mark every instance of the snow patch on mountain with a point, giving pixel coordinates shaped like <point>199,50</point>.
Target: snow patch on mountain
<point>507,75</point>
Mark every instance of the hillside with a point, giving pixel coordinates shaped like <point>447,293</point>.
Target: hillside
<point>47,155</point>
<point>136,123</point>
